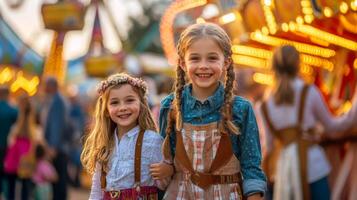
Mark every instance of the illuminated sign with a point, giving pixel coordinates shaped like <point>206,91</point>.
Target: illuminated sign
<point>17,80</point>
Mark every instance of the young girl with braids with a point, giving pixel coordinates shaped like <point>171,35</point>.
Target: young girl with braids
<point>123,142</point>
<point>211,136</point>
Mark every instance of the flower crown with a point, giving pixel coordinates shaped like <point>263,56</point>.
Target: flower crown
<point>121,78</point>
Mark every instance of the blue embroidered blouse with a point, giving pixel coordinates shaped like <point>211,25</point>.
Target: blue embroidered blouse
<point>246,146</point>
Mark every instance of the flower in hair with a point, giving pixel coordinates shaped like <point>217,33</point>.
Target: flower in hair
<point>121,78</point>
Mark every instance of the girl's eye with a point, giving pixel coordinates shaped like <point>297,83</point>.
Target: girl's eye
<point>194,58</point>
<point>212,58</point>
<point>113,102</point>
<point>130,100</point>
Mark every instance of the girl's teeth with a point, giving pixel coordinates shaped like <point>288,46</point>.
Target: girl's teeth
<point>204,75</point>
<point>124,116</point>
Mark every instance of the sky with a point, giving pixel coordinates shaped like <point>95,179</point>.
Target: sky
<point>26,21</point>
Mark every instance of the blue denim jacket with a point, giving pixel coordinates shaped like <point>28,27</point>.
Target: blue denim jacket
<point>246,146</point>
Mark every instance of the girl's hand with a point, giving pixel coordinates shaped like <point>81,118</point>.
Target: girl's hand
<point>255,197</point>
<point>161,170</point>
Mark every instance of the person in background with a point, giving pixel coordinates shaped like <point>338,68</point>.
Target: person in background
<point>20,144</point>
<point>290,115</point>
<point>8,116</point>
<point>44,175</point>
<point>77,123</point>
<point>53,117</point>
<point>345,185</point>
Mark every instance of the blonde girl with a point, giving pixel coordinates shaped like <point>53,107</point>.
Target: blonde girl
<point>211,136</point>
<point>123,142</point>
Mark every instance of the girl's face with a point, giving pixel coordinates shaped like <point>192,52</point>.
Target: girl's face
<point>204,64</point>
<point>124,107</point>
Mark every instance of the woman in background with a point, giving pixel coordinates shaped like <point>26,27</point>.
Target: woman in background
<point>290,115</point>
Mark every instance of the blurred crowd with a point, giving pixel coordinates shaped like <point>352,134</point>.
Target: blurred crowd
<point>40,143</point>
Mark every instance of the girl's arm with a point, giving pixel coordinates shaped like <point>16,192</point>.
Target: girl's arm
<point>163,170</point>
<point>248,149</point>
<point>266,137</point>
<point>96,190</point>
<point>331,123</point>
<point>160,171</point>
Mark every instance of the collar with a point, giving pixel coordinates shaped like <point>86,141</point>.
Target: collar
<point>214,100</point>
<point>129,134</point>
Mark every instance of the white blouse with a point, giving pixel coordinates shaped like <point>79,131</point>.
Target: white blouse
<point>121,165</point>
<point>315,112</point>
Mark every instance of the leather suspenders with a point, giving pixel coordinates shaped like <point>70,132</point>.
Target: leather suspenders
<point>137,163</point>
<point>302,144</point>
<point>223,155</point>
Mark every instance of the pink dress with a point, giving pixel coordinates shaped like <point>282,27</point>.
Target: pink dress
<point>14,153</point>
<point>44,171</point>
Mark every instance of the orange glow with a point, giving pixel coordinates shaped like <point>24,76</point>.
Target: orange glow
<point>329,37</point>
<point>265,79</point>
<point>6,75</point>
<point>16,80</point>
<point>227,18</point>
<point>167,23</point>
<point>301,47</point>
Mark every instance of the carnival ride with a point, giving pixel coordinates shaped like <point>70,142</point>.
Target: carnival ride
<point>61,17</point>
<point>324,32</point>
<point>20,65</point>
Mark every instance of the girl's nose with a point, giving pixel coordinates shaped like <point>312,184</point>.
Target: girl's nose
<point>122,108</point>
<point>203,65</point>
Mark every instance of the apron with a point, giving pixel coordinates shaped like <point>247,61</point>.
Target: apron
<point>200,172</point>
<point>288,160</point>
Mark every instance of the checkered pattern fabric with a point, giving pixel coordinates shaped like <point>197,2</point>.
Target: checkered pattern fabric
<point>201,144</point>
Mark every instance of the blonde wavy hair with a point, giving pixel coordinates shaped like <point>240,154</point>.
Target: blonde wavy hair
<point>99,142</point>
<point>187,38</point>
